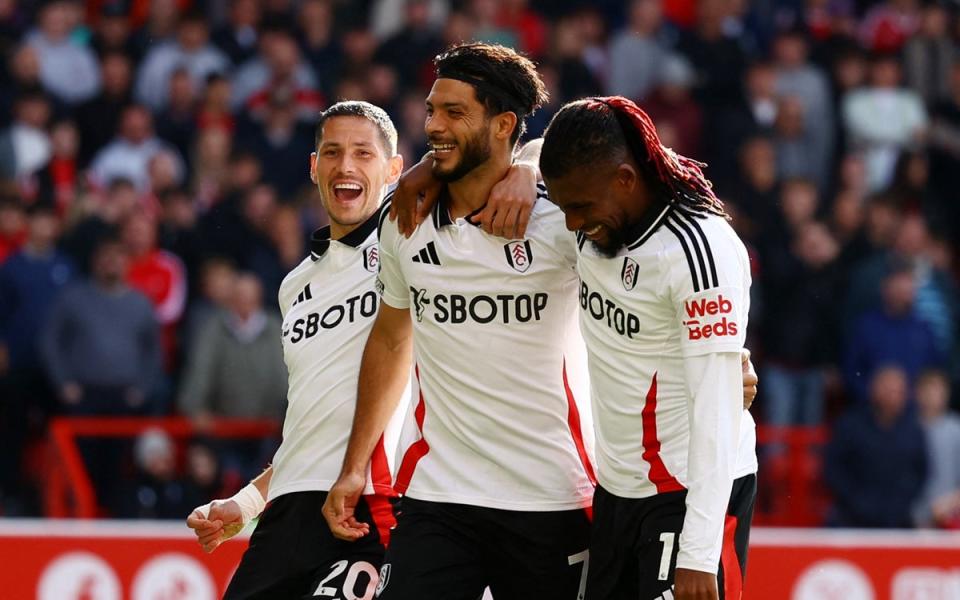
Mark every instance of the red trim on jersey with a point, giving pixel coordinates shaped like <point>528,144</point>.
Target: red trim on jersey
<point>573,420</point>
<point>659,475</point>
<point>732,577</point>
<point>383,518</point>
<point>417,450</point>
<point>380,471</point>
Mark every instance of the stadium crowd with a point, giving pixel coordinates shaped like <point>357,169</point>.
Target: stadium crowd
<point>154,193</point>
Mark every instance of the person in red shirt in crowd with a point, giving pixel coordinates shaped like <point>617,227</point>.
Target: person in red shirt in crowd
<point>157,274</point>
<point>13,227</point>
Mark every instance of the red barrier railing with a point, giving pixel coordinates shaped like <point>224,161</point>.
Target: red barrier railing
<point>69,478</point>
<point>791,490</point>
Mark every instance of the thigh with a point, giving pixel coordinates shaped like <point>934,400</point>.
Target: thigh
<point>661,521</point>
<point>271,567</point>
<point>434,553</point>
<point>736,538</point>
<point>612,573</point>
<point>537,554</point>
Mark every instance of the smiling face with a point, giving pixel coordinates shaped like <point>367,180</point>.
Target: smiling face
<point>602,201</point>
<point>458,129</point>
<point>350,168</point>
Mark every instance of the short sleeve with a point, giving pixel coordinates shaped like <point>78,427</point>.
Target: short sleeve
<point>391,284</point>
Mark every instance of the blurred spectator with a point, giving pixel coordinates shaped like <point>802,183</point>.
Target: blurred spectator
<point>755,189</point>
<point>23,72</point>
<point>58,183</point>
<point>211,164</point>
<point>486,15</point>
<point>277,63</point>
<point>99,117</point>
<point>753,114</point>
<point>129,154</point>
<point>214,111</point>
<point>532,31</point>
<point>191,51</point>
<point>883,119</point>
<point>237,38</point>
<point>638,51</point>
<point>716,56</point>
<point>892,335</point>
<point>945,151</point>
<point>387,17</point>
<point>29,282</point>
<point>888,24</point>
<point>156,492</point>
<point>281,143</point>
<point>177,232</point>
<point>69,70</point>
<point>939,506</point>
<point>101,345</point>
<point>113,32</point>
<point>411,49</point>
<point>797,77</point>
<point>876,463</point>
<point>205,478</point>
<point>575,78</point>
<point>285,247</point>
<point>157,274</point>
<point>801,328</point>
<point>177,123</point>
<point>161,18</point>
<point>672,105</point>
<point>236,366</point>
<point>216,281</point>
<point>25,146</point>
<point>13,227</point>
<point>929,55</point>
<point>319,42</point>
<point>796,144</point>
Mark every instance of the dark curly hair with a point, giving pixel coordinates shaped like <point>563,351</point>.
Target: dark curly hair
<point>503,80</point>
<point>592,130</point>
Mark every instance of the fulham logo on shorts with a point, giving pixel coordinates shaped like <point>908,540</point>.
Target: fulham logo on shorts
<point>371,258</point>
<point>384,579</point>
<point>629,273</point>
<point>519,255</point>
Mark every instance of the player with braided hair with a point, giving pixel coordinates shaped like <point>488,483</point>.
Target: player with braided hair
<point>664,298</point>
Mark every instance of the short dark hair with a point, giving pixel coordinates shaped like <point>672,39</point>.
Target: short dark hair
<point>365,110</point>
<point>503,79</point>
<point>595,130</point>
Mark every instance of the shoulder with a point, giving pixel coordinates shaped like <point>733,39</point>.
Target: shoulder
<point>386,226</point>
<point>290,282</point>
<point>705,246</point>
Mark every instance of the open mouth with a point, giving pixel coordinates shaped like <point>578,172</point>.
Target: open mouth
<point>441,150</point>
<point>347,191</point>
<point>593,232</point>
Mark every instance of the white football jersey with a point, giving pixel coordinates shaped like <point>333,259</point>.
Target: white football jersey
<point>329,304</point>
<point>664,322</point>
<point>494,420</point>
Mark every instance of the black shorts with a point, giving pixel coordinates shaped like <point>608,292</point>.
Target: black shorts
<point>633,551</point>
<point>292,553</point>
<point>443,551</point>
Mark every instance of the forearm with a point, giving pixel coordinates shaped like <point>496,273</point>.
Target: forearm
<point>262,481</point>
<point>384,372</point>
<point>715,411</point>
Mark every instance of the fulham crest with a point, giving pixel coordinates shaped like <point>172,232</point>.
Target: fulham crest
<point>629,272</point>
<point>371,258</point>
<point>519,255</point>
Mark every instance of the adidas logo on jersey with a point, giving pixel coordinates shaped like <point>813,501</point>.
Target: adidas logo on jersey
<point>305,294</point>
<point>428,255</point>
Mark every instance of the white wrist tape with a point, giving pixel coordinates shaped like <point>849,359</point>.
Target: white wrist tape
<point>250,501</point>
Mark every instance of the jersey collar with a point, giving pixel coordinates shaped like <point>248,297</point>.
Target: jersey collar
<point>320,239</point>
<point>647,225</point>
<point>441,212</point>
